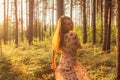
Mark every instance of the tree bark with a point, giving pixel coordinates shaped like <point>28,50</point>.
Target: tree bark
<point>84,22</point>
<point>71,5</point>
<point>22,20</point>
<point>40,29</point>
<point>107,26</point>
<point>44,10</point>
<point>16,18</point>
<point>101,21</point>
<point>60,8</point>
<point>27,21</point>
<point>118,40</point>
<point>31,7</point>
<point>5,25</point>
<point>7,18</point>
<point>53,16</point>
<point>94,22</point>
<point>35,20</point>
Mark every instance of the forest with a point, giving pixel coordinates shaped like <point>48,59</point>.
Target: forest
<point>27,28</point>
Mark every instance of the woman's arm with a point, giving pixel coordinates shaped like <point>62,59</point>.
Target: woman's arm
<point>53,66</point>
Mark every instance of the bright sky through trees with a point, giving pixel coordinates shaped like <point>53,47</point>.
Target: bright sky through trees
<point>1,11</point>
<point>77,17</point>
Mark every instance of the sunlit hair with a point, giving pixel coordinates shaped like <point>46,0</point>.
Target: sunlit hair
<point>58,38</point>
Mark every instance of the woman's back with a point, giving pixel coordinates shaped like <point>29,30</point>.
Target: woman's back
<point>71,43</point>
<point>69,49</point>
<point>69,68</point>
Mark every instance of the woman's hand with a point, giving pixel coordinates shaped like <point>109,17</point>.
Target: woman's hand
<point>53,66</point>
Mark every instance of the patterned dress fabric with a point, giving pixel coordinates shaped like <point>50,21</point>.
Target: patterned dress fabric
<point>69,68</point>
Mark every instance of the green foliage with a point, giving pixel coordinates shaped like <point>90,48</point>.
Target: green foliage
<point>100,66</point>
<point>113,34</point>
<point>79,31</point>
<point>33,62</point>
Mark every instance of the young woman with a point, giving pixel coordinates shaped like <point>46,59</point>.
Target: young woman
<point>67,42</point>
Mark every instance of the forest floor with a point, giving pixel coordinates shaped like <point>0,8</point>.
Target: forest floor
<point>33,62</point>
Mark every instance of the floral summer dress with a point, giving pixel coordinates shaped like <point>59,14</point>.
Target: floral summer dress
<point>69,68</point>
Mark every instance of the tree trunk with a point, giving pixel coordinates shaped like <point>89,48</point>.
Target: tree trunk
<point>7,16</point>
<point>89,13</point>
<point>27,21</point>
<point>101,21</point>
<point>107,26</point>
<point>40,14</point>
<point>118,40</point>
<point>71,8</point>
<point>53,16</point>
<point>81,5</point>
<point>16,18</point>
<point>94,22</point>
<point>50,24</point>
<point>97,7</point>
<point>44,20</point>
<point>22,20</point>
<point>31,7</point>
<point>5,25</point>
<point>35,20</point>
<point>60,8</point>
<point>84,22</point>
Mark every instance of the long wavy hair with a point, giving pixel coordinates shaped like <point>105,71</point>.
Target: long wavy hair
<point>58,38</point>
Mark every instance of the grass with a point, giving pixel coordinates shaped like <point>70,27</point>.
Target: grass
<point>33,62</point>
